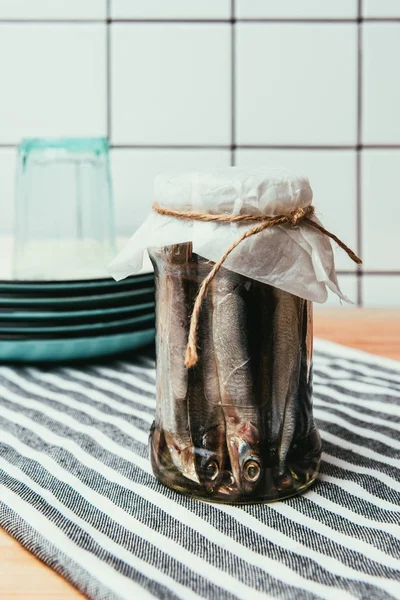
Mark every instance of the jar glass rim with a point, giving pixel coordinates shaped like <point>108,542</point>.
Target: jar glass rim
<point>97,145</point>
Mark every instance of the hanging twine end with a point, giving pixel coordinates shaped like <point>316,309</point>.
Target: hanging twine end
<point>191,357</point>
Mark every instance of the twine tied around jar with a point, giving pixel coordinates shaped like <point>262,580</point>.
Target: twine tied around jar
<point>293,218</point>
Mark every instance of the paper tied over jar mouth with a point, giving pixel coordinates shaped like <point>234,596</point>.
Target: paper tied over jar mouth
<point>296,259</point>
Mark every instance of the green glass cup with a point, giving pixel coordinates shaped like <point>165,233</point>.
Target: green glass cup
<point>64,213</point>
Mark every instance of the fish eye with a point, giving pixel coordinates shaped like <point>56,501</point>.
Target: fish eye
<point>252,470</point>
<point>212,470</point>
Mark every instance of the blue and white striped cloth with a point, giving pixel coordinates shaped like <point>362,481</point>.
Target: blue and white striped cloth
<point>76,489</point>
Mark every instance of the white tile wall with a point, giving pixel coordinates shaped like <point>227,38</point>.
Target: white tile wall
<point>381,8</point>
<point>53,81</point>
<point>381,291</point>
<point>134,171</point>
<point>171,9</point>
<point>348,285</point>
<point>332,175</point>
<point>297,9</point>
<point>289,93</point>
<point>380,219</point>
<point>171,96</point>
<point>381,83</point>
<point>7,179</point>
<point>53,9</point>
<point>171,84</point>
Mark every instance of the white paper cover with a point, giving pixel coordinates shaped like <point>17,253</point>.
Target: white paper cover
<point>296,259</point>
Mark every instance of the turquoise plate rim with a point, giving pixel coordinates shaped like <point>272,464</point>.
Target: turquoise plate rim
<point>76,299</point>
<point>74,283</point>
<point>74,328</point>
<point>100,312</point>
<point>55,351</point>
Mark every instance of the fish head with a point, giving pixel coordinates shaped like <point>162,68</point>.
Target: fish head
<point>246,465</point>
<point>210,458</point>
<point>157,447</point>
<point>182,456</point>
<point>245,456</point>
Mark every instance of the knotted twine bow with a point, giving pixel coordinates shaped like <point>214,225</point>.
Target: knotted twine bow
<point>294,218</point>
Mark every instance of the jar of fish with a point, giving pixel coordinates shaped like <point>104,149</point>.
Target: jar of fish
<point>238,258</point>
<point>237,426</point>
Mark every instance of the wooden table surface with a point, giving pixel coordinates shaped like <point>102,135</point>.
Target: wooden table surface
<point>24,577</point>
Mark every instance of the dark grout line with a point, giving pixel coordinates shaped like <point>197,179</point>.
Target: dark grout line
<point>368,272</point>
<point>52,21</point>
<point>298,20</point>
<point>233,84</point>
<point>384,273</point>
<point>170,147</point>
<point>380,147</point>
<point>108,20</point>
<point>171,21</point>
<point>293,147</point>
<point>380,20</point>
<point>346,272</point>
<point>108,72</point>
<point>232,148</point>
<point>359,240</point>
<point>310,20</point>
<point>241,20</point>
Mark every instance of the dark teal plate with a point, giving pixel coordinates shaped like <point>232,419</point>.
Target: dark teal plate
<point>73,349</point>
<point>74,288</point>
<point>79,317</point>
<point>128,298</point>
<point>78,330</point>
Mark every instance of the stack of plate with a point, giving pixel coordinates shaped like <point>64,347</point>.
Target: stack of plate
<point>60,321</point>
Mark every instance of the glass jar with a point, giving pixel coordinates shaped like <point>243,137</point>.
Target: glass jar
<point>238,426</point>
<point>64,219</point>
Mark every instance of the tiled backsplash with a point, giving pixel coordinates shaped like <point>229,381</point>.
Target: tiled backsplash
<point>182,84</point>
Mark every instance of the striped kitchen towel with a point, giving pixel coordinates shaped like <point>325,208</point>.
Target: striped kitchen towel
<point>76,489</point>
